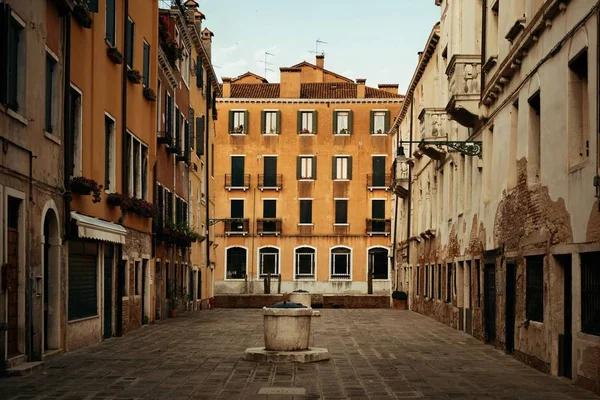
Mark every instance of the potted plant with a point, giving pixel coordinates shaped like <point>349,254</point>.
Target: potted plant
<point>81,14</point>
<point>305,131</point>
<point>134,76</point>
<point>149,94</point>
<point>85,186</point>
<point>114,55</point>
<point>173,304</point>
<point>399,298</point>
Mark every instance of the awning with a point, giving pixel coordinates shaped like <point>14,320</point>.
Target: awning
<point>94,228</point>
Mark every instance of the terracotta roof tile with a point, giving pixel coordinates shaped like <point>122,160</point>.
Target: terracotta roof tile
<point>329,90</point>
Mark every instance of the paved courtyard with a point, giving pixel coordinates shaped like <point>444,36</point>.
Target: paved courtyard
<point>376,354</point>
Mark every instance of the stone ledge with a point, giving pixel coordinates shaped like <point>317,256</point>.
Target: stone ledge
<point>259,354</point>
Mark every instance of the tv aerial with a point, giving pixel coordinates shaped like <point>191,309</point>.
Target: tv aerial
<point>317,43</point>
<point>266,62</point>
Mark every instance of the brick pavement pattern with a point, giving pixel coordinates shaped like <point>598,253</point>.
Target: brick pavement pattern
<point>375,354</point>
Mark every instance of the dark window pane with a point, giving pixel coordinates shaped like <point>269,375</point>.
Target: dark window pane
<point>534,293</point>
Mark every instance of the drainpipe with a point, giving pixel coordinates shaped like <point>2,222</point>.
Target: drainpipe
<point>483,46</point>
<point>409,203</point>
<point>207,172</point>
<point>597,177</point>
<point>394,237</point>
<point>67,131</point>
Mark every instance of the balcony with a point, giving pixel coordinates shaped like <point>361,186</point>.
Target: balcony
<point>379,226</point>
<point>400,179</point>
<point>237,182</point>
<point>270,182</point>
<point>268,226</point>
<point>433,123</point>
<point>163,137</point>
<point>464,72</point>
<point>237,226</point>
<point>379,181</point>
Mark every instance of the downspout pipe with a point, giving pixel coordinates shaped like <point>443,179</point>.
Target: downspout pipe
<point>409,202</point>
<point>207,172</point>
<point>597,177</point>
<point>483,46</point>
<point>67,131</point>
<point>394,237</point>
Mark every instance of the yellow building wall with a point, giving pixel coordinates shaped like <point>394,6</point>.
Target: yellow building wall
<point>361,145</point>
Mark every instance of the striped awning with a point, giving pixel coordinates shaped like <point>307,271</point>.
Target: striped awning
<point>94,228</point>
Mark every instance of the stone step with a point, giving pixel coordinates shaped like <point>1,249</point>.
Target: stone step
<point>24,369</point>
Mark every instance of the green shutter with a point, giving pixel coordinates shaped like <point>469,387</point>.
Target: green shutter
<point>231,121</point>
<point>110,22</point>
<point>199,136</point>
<point>146,65</point>
<point>315,124</point>
<point>49,86</point>
<point>93,6</point>
<point>246,122</point>
<point>350,168</point>
<point>299,122</point>
<point>372,122</point>
<point>314,163</point>
<point>130,29</point>
<point>263,122</point>
<point>199,73</point>
<point>278,122</point>
<point>333,167</point>
<point>4,51</point>
<point>334,122</point>
<point>349,121</point>
<point>387,122</point>
<point>298,167</point>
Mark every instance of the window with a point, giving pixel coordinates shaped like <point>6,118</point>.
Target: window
<point>590,293</point>
<point>380,121</point>
<point>578,109</point>
<point>512,147</point>
<point>137,278</point>
<point>378,223</point>
<point>270,122</point>
<point>185,67</point>
<point>51,100</point>
<point>146,71</point>
<point>305,263</point>
<point>307,122</point>
<point>432,281</point>
<point>534,292</point>
<point>237,122</point>
<point>169,205</point>
<point>236,263</point>
<point>378,262</point>
<point>418,280</point>
<point>109,153</point>
<point>110,26</point>
<point>199,284</point>
<point>269,172</point>
<point>212,160</point>
<point>159,100</point>
<point>75,129</point>
<point>238,178</point>
<point>130,42</point>
<point>427,281</point>
<point>306,167</point>
<point>533,160</point>
<point>378,179</point>
<point>342,122</point>
<point>138,168</point>
<point>448,282</point>
<point>305,211</point>
<point>439,283</point>
<point>199,75</point>
<point>200,136</point>
<point>83,279</point>
<point>168,285</point>
<point>268,261</point>
<point>341,211</point>
<point>341,263</point>
<point>168,117</point>
<point>342,168</point>
<point>478,270</point>
<point>12,59</point>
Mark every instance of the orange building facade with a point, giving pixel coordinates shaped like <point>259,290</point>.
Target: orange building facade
<point>302,169</point>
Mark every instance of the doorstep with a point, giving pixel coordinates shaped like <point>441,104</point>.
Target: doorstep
<point>24,369</point>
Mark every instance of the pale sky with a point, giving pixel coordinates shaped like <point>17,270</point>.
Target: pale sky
<point>377,40</point>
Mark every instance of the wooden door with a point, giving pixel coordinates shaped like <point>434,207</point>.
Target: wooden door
<point>13,292</point>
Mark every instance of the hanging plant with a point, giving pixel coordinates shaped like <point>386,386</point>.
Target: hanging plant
<point>133,204</point>
<point>134,76</point>
<point>172,51</point>
<point>85,186</point>
<point>81,14</point>
<point>114,55</point>
<point>149,94</point>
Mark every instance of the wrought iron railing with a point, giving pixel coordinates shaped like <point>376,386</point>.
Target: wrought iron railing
<point>379,226</point>
<point>379,180</point>
<point>237,181</point>
<point>237,226</point>
<point>268,226</point>
<point>270,181</point>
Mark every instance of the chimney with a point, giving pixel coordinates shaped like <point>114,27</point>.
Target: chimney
<point>207,36</point>
<point>289,83</point>
<point>360,88</point>
<point>226,87</point>
<point>321,61</point>
<point>389,87</point>
<point>198,17</point>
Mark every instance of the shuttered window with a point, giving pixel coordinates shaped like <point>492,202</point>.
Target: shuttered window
<point>130,42</point>
<point>199,73</point>
<point>341,211</point>
<point>200,136</point>
<point>161,203</point>
<point>590,293</point>
<point>12,58</point>
<point>534,294</point>
<point>146,72</point>
<point>83,279</point>
<point>93,6</point>
<point>49,100</point>
<point>341,168</point>
<point>191,128</point>
<point>110,22</point>
<point>342,122</point>
<point>306,167</point>
<point>169,115</point>
<point>306,211</point>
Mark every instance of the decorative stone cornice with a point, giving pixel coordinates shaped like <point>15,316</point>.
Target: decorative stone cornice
<point>166,67</point>
<point>312,101</point>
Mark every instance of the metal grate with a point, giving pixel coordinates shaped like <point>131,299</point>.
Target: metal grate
<point>534,294</point>
<point>590,293</point>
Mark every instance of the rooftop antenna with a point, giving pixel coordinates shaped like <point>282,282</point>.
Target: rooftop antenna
<point>317,43</point>
<point>266,62</point>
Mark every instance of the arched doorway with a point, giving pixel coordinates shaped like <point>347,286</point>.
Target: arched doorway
<point>51,243</point>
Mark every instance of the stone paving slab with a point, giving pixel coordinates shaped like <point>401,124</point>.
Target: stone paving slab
<point>375,354</point>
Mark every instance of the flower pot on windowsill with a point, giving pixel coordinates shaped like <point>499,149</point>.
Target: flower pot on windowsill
<point>134,76</point>
<point>82,15</point>
<point>149,94</point>
<point>114,55</point>
<point>80,188</point>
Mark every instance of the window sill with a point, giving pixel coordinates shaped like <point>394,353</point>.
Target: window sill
<point>238,134</point>
<point>378,134</point>
<point>307,134</point>
<point>306,180</point>
<point>340,279</point>
<point>579,166</point>
<point>342,134</point>
<point>305,280</point>
<point>337,224</point>
<point>51,137</point>
<point>302,224</point>
<point>235,279</point>
<point>341,180</point>
<point>271,134</point>
<point>11,113</point>
<point>74,321</point>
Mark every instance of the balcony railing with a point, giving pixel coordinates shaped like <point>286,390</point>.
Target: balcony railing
<point>237,181</point>
<point>464,71</point>
<point>379,181</point>
<point>433,123</point>
<point>270,181</point>
<point>379,226</point>
<point>237,226</point>
<point>268,226</point>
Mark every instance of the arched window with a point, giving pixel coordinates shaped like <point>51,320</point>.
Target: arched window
<point>378,262</point>
<point>304,263</point>
<point>268,261</point>
<point>341,263</point>
<point>236,263</point>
